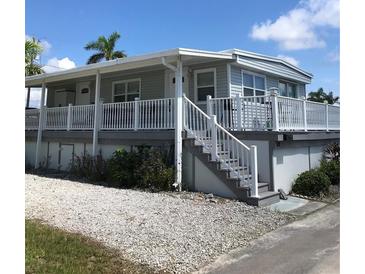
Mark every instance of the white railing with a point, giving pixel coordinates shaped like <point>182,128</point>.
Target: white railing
<point>31,119</point>
<point>233,156</point>
<point>118,115</point>
<point>272,112</point>
<point>239,113</point>
<point>81,117</point>
<point>290,113</point>
<point>140,114</point>
<point>56,118</point>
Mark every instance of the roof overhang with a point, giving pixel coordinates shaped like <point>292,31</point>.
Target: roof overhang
<point>267,58</point>
<point>187,56</point>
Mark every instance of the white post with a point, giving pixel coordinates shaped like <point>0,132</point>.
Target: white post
<point>254,174</point>
<point>239,111</point>
<point>327,128</point>
<point>209,105</point>
<point>275,109</point>
<point>40,127</point>
<point>136,113</point>
<point>305,114</point>
<point>96,114</point>
<point>178,122</point>
<point>69,117</point>
<point>213,128</point>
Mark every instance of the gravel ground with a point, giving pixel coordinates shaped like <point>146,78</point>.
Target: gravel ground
<point>166,231</point>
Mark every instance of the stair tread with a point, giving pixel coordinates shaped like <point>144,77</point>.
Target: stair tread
<point>268,194</point>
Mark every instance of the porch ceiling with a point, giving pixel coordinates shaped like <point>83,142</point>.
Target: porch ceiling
<point>188,57</point>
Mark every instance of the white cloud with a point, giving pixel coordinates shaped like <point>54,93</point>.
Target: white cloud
<point>298,29</point>
<point>289,59</point>
<point>55,64</point>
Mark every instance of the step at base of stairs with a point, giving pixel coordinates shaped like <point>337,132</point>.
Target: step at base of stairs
<point>264,199</point>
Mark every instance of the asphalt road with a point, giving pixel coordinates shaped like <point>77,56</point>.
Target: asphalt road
<point>310,245</point>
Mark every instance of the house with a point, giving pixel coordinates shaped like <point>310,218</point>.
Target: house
<point>237,121</point>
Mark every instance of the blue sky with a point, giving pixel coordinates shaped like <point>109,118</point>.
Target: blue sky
<point>305,31</point>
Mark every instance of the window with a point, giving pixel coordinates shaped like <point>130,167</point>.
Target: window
<point>287,89</point>
<point>127,90</point>
<point>205,84</point>
<point>253,84</point>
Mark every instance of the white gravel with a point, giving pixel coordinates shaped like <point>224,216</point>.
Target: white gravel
<point>167,231</point>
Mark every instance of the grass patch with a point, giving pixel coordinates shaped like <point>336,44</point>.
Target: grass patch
<point>51,250</point>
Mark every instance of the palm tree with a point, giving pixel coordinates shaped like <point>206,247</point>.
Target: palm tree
<point>33,49</point>
<point>105,47</point>
<point>321,96</point>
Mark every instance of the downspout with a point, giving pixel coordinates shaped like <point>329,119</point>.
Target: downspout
<point>178,118</point>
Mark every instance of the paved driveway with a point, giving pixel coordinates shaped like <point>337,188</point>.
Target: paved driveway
<point>310,245</point>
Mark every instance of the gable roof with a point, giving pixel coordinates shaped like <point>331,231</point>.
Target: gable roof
<point>263,57</point>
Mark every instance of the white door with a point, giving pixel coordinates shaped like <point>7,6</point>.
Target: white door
<point>170,91</point>
<point>83,93</point>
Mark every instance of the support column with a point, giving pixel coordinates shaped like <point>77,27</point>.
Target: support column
<point>178,122</point>
<point>97,114</point>
<point>275,109</point>
<point>40,127</point>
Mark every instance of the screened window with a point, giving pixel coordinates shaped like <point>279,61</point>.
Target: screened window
<point>288,89</point>
<point>253,84</point>
<point>205,84</point>
<point>126,90</point>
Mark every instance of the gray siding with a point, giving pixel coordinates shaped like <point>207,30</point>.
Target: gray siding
<point>236,81</point>
<point>221,74</point>
<point>152,84</point>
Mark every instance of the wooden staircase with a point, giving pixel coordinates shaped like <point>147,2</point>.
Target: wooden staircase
<point>226,156</point>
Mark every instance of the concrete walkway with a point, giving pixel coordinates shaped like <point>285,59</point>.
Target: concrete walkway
<point>310,245</point>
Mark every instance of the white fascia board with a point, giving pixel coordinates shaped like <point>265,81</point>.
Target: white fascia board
<point>205,53</point>
<point>114,65</point>
<point>267,58</point>
<point>252,65</point>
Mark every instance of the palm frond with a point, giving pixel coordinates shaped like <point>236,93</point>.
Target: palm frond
<point>118,54</point>
<point>95,58</point>
<point>113,39</point>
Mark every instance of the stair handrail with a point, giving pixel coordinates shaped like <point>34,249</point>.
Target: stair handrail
<point>250,151</point>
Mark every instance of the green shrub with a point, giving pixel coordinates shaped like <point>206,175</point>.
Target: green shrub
<point>153,171</point>
<point>143,167</point>
<point>90,167</point>
<point>332,170</point>
<point>121,168</point>
<point>312,183</point>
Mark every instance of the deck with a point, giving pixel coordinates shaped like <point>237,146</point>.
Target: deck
<point>256,113</point>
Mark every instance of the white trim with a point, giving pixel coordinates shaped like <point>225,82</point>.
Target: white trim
<point>229,80</point>
<point>254,84</point>
<point>126,91</point>
<point>214,70</point>
<point>267,58</point>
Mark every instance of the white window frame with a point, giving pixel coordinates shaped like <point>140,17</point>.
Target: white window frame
<point>196,72</point>
<point>286,83</point>
<point>254,84</point>
<point>126,91</point>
